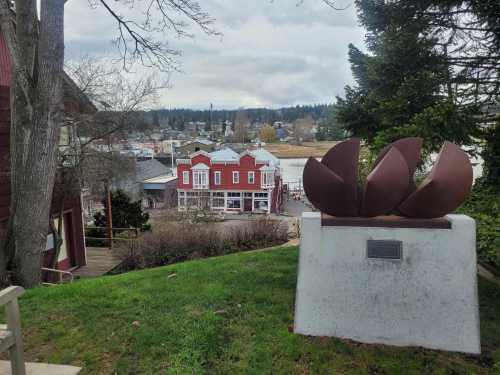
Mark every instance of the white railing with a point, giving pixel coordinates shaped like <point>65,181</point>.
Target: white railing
<point>60,275</point>
<point>267,180</point>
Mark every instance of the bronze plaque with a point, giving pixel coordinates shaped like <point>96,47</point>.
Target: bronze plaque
<point>384,249</point>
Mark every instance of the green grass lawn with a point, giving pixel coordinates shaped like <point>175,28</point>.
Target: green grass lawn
<point>227,315</point>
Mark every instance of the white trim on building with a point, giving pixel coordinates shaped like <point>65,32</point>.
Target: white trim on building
<point>251,177</point>
<point>236,177</point>
<point>267,177</point>
<point>200,176</point>
<point>185,177</point>
<point>226,200</point>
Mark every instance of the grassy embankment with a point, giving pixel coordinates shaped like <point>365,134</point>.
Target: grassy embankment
<point>225,315</point>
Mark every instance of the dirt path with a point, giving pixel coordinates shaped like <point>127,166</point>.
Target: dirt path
<point>290,243</point>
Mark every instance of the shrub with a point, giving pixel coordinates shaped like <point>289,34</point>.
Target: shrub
<point>125,214</point>
<point>177,241</point>
<point>484,206</point>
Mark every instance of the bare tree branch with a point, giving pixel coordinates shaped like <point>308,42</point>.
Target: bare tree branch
<point>143,40</point>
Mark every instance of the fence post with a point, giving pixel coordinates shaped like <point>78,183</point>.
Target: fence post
<point>109,215</point>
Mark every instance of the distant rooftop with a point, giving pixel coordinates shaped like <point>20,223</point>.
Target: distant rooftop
<point>226,154</point>
<point>160,179</point>
<point>203,141</point>
<point>229,155</point>
<point>264,155</point>
<point>150,169</point>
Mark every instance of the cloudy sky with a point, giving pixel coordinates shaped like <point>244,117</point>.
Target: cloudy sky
<point>272,53</point>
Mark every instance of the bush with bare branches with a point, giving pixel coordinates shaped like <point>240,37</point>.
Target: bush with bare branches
<point>175,242</point>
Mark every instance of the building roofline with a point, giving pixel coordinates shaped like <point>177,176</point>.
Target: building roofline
<point>269,163</point>
<point>200,166</point>
<point>200,152</point>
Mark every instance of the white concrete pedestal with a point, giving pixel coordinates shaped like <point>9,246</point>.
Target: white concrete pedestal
<point>428,298</point>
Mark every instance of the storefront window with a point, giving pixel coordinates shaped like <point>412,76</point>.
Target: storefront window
<point>218,200</point>
<point>182,199</point>
<point>260,205</point>
<point>234,200</point>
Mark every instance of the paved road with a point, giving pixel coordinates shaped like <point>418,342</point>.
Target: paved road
<point>296,207</point>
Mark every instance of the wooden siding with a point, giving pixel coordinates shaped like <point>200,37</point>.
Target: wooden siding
<point>4,153</point>
<point>73,212</point>
<point>5,64</point>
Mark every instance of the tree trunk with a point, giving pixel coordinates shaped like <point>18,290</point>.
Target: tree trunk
<point>36,119</point>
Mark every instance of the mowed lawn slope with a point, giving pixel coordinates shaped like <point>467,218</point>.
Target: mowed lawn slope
<point>227,315</point>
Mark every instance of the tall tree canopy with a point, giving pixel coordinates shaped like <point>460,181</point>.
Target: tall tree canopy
<point>405,84</point>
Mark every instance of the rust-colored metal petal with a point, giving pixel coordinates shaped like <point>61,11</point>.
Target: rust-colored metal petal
<point>444,189</point>
<point>343,159</point>
<point>410,149</point>
<point>387,185</point>
<point>324,188</point>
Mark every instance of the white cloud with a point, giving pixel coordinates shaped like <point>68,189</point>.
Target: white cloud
<point>272,53</point>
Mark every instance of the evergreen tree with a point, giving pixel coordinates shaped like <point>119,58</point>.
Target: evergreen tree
<point>125,213</point>
<point>156,120</point>
<point>329,129</point>
<point>401,83</point>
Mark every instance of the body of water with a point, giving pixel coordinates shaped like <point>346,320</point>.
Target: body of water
<point>292,169</point>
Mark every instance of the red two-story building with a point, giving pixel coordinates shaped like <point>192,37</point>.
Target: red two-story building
<point>227,181</point>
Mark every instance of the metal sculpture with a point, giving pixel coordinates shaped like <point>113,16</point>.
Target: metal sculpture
<point>333,182</point>
<point>446,187</point>
<point>386,185</point>
<point>331,185</point>
<point>410,150</point>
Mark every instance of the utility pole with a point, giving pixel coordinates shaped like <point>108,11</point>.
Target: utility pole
<point>109,216</point>
<point>211,109</point>
<point>172,154</point>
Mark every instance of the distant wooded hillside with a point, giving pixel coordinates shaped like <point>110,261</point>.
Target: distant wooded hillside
<point>263,115</point>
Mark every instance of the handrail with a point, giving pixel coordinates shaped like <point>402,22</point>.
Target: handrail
<point>9,294</point>
<point>61,273</point>
<point>114,238</point>
<point>114,228</point>
<point>8,297</point>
